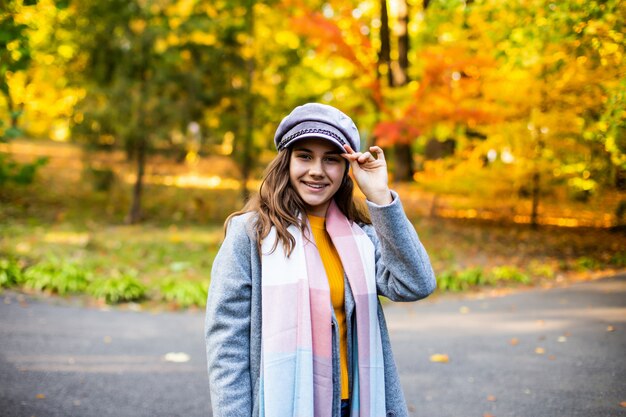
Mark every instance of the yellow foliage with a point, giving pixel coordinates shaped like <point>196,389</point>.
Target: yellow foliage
<point>203,38</point>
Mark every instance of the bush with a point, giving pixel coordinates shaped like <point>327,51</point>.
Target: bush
<point>473,276</point>
<point>585,263</point>
<point>10,273</point>
<point>102,179</point>
<point>461,280</point>
<point>447,281</point>
<point>618,259</point>
<point>184,293</point>
<point>21,174</point>
<point>507,273</point>
<point>121,287</point>
<point>57,277</point>
<point>541,270</point>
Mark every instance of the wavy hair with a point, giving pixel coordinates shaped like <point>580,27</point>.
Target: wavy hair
<point>278,205</point>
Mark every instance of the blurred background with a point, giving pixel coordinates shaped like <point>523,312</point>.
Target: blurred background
<point>130,129</point>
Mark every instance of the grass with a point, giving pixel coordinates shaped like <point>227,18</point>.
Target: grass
<point>172,263</point>
<point>62,236</point>
<point>114,263</point>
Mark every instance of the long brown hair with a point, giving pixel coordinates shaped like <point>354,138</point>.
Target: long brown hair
<point>278,204</point>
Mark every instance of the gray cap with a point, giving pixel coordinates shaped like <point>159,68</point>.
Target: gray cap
<point>314,120</point>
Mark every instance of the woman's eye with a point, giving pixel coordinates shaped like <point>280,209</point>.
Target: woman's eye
<point>303,156</point>
<point>332,160</point>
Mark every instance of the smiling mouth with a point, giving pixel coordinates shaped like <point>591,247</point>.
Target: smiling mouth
<point>314,186</point>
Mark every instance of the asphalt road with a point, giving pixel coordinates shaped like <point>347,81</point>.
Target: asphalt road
<point>533,353</point>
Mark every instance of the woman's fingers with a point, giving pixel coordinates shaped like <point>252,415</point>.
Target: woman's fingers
<point>375,153</point>
<point>365,157</point>
<point>378,151</point>
<point>350,154</point>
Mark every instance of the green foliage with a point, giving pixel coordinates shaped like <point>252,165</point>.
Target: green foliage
<point>10,272</point>
<point>586,263</point>
<point>508,273</point>
<point>16,173</point>
<point>541,270</point>
<point>13,37</point>
<point>121,287</point>
<point>473,277</point>
<point>461,280</point>
<point>612,126</point>
<point>184,293</point>
<point>619,259</point>
<point>455,281</point>
<point>54,275</point>
<point>447,281</point>
<point>101,179</point>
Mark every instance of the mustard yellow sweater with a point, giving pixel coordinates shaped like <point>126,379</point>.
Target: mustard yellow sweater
<point>334,272</point>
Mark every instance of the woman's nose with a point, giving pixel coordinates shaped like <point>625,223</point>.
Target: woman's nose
<point>316,168</point>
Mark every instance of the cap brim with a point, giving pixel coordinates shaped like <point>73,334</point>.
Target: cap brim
<point>310,129</point>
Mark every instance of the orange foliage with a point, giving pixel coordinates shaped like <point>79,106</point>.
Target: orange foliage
<point>399,131</point>
<point>450,91</point>
<point>347,42</point>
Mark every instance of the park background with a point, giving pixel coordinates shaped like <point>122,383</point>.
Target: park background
<point>131,129</point>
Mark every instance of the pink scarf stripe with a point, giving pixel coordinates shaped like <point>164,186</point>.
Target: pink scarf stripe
<point>363,284</point>
<point>296,357</point>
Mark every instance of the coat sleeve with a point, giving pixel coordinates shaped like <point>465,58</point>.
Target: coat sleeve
<point>227,324</point>
<point>403,269</point>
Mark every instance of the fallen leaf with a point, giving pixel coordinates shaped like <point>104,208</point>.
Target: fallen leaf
<point>514,341</point>
<point>464,310</point>
<point>177,357</point>
<point>552,357</point>
<point>491,398</point>
<point>40,396</point>
<point>107,339</point>
<point>623,403</point>
<point>488,415</point>
<point>540,322</point>
<point>540,351</point>
<point>610,329</point>
<point>562,339</point>
<point>439,357</point>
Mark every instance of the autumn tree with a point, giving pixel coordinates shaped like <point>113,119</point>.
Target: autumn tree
<point>151,71</point>
<point>15,57</point>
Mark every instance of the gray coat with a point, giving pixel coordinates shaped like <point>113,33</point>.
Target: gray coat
<point>233,314</point>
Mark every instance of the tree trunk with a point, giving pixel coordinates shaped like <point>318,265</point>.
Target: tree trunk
<point>384,55</point>
<point>135,215</point>
<point>534,214</point>
<point>403,45</point>
<point>402,151</point>
<point>404,162</point>
<point>141,141</point>
<point>14,114</point>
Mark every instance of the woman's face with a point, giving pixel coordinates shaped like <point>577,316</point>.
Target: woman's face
<point>316,171</point>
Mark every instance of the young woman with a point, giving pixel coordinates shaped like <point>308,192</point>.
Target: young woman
<point>294,326</point>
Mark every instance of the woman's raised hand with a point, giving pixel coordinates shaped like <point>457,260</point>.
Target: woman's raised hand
<point>370,173</point>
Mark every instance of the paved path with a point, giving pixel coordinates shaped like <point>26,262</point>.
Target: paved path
<point>537,353</point>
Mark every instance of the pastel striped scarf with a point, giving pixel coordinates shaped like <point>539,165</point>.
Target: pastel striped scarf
<point>296,359</point>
